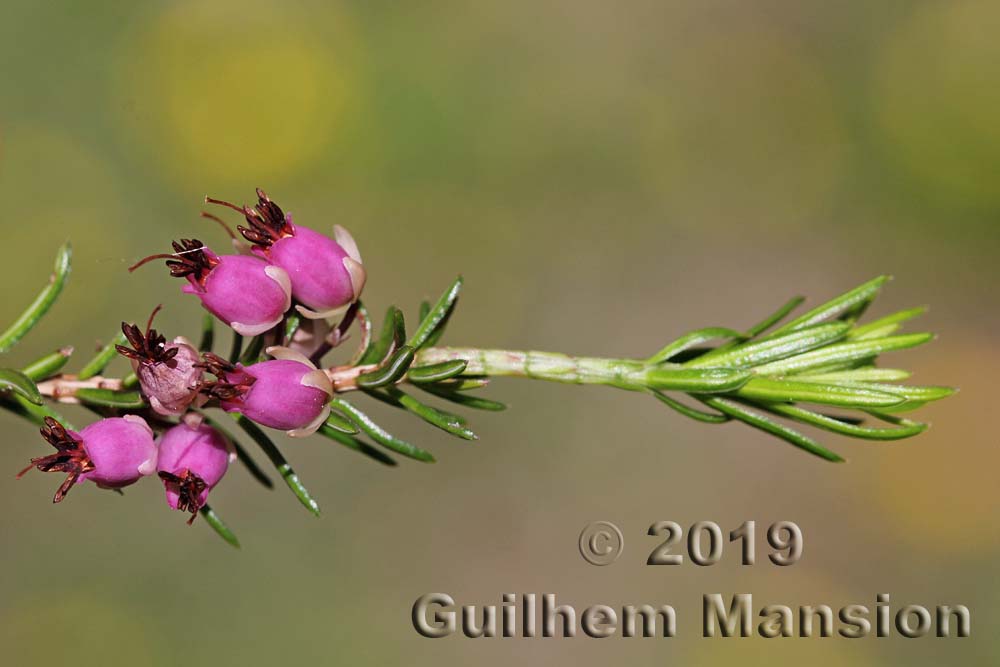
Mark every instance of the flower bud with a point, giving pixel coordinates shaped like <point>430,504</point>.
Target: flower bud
<point>169,373</point>
<point>113,453</point>
<point>288,393</point>
<point>326,273</point>
<point>193,457</point>
<point>246,293</point>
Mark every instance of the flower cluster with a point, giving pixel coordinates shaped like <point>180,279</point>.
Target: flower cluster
<point>290,295</point>
<point>288,269</point>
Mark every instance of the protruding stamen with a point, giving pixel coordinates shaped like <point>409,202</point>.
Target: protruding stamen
<point>147,260</point>
<point>148,348</point>
<point>210,200</point>
<point>188,486</point>
<point>190,257</point>
<point>229,230</point>
<point>152,316</point>
<point>70,457</point>
<point>266,222</point>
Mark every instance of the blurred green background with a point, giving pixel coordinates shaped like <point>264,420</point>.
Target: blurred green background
<point>606,176</point>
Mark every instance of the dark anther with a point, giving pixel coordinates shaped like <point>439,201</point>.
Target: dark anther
<point>216,365</point>
<point>266,222</point>
<point>223,391</point>
<point>188,487</point>
<point>70,457</point>
<point>226,388</point>
<point>188,259</point>
<point>149,347</point>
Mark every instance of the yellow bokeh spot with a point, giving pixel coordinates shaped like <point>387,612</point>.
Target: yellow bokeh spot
<point>231,93</point>
<point>937,97</point>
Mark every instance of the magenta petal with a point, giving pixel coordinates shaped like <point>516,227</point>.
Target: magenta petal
<point>315,264</point>
<point>241,290</point>
<point>201,450</point>
<point>121,449</point>
<point>171,386</point>
<point>277,398</point>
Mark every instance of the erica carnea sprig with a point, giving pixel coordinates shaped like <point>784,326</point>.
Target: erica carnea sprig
<point>291,295</point>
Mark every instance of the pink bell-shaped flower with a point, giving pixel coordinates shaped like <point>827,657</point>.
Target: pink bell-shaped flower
<point>247,293</point>
<point>169,373</point>
<point>288,393</point>
<point>113,453</point>
<point>193,458</point>
<point>326,273</point>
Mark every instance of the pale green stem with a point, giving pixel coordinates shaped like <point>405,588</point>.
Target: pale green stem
<point>551,366</point>
<point>629,374</point>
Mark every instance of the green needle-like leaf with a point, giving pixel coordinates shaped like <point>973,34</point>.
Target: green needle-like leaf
<point>339,422</point>
<point>757,420</point>
<point>380,435</point>
<point>840,353</point>
<point>292,325</point>
<point>437,372</point>
<point>435,320</point>
<point>696,380</point>
<point>219,526</point>
<point>467,383</point>
<point>863,374</point>
<point>687,411</point>
<point>690,340</point>
<point>253,351</point>
<point>424,311</point>
<point>390,372</point>
<point>764,324</point>
<point>773,348</point>
<point>42,303</point>
<point>106,398</point>
<point>104,357</point>
<point>445,421</point>
<point>886,325</point>
<point>357,445</point>
<point>849,304</point>
<point>465,400</point>
<point>236,348</point>
<point>775,317</point>
<point>391,338</point>
<point>207,333</point>
<point>854,396</point>
<point>20,384</point>
<point>49,365</point>
<point>905,429</point>
<point>276,457</point>
<point>383,396</point>
<point>915,396</point>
